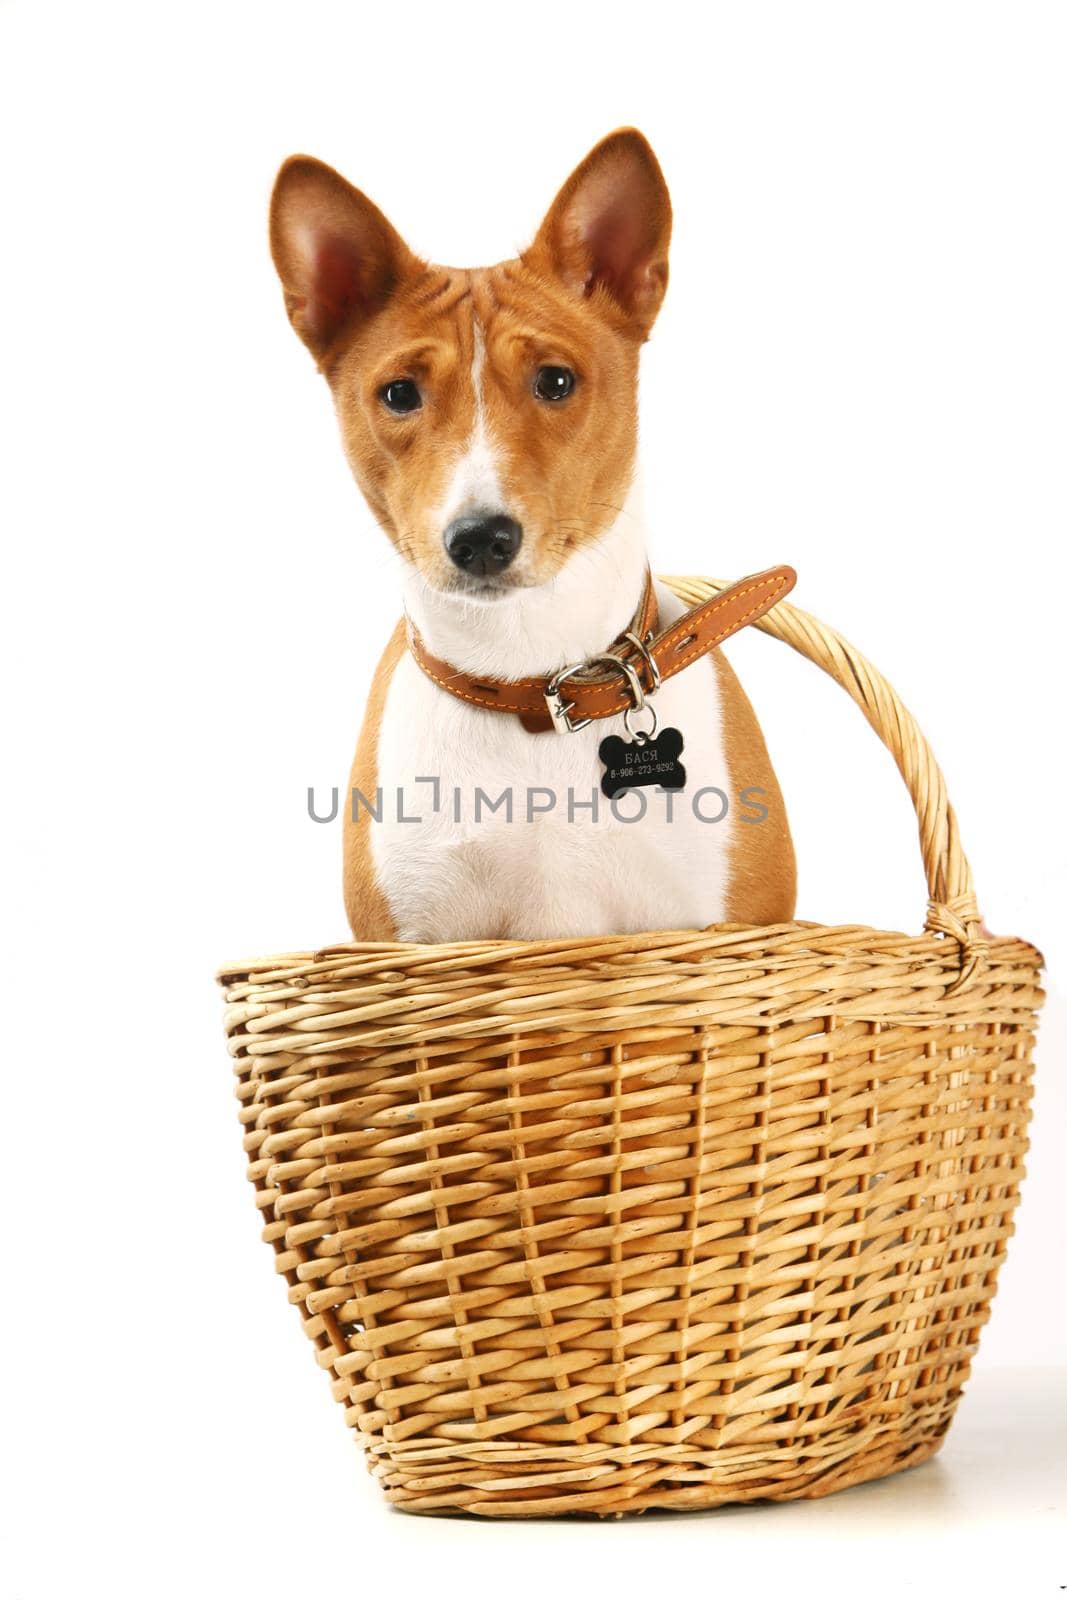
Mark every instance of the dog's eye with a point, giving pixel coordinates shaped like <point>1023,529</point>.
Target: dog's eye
<point>553,383</point>
<point>401,396</point>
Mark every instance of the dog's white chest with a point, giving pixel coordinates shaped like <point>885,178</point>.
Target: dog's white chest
<point>488,831</point>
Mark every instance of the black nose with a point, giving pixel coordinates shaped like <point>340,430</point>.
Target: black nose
<point>483,545</point>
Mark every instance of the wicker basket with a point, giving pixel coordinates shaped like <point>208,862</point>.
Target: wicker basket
<point>667,1220</point>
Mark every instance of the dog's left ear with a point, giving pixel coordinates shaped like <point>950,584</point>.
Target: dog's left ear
<point>609,229</point>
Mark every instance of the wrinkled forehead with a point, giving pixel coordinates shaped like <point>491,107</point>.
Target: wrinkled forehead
<point>453,319</point>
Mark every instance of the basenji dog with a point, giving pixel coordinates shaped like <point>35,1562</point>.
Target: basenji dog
<point>489,417</point>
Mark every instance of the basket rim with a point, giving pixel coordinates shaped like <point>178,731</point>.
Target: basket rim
<point>728,940</point>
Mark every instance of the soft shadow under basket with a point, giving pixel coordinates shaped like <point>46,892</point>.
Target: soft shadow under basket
<point>595,1225</point>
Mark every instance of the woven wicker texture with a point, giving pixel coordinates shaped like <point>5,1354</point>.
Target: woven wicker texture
<point>670,1220</point>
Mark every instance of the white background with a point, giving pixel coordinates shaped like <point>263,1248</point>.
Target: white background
<point>860,369</point>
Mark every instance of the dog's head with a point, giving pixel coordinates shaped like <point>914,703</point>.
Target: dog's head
<point>490,415</point>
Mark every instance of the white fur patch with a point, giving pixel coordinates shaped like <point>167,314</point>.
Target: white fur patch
<point>564,873</point>
<point>475,481</point>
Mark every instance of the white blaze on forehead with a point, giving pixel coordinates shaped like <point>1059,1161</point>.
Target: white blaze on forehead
<point>475,481</point>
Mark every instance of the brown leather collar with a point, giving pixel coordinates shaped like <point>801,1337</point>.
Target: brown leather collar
<point>634,666</point>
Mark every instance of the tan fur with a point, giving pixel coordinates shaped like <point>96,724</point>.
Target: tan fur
<point>368,914</point>
<point>763,874</point>
<point>563,469</point>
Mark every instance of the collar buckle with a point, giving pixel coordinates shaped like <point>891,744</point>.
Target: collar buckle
<point>560,709</point>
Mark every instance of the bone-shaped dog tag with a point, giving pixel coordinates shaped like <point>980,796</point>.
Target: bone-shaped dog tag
<point>645,761</point>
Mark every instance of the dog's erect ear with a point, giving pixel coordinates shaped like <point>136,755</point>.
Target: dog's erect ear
<point>338,258</point>
<point>609,228</point>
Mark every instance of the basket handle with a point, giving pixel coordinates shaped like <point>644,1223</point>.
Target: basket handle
<point>952,907</point>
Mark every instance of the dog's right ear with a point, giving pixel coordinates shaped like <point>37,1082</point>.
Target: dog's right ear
<point>338,258</point>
